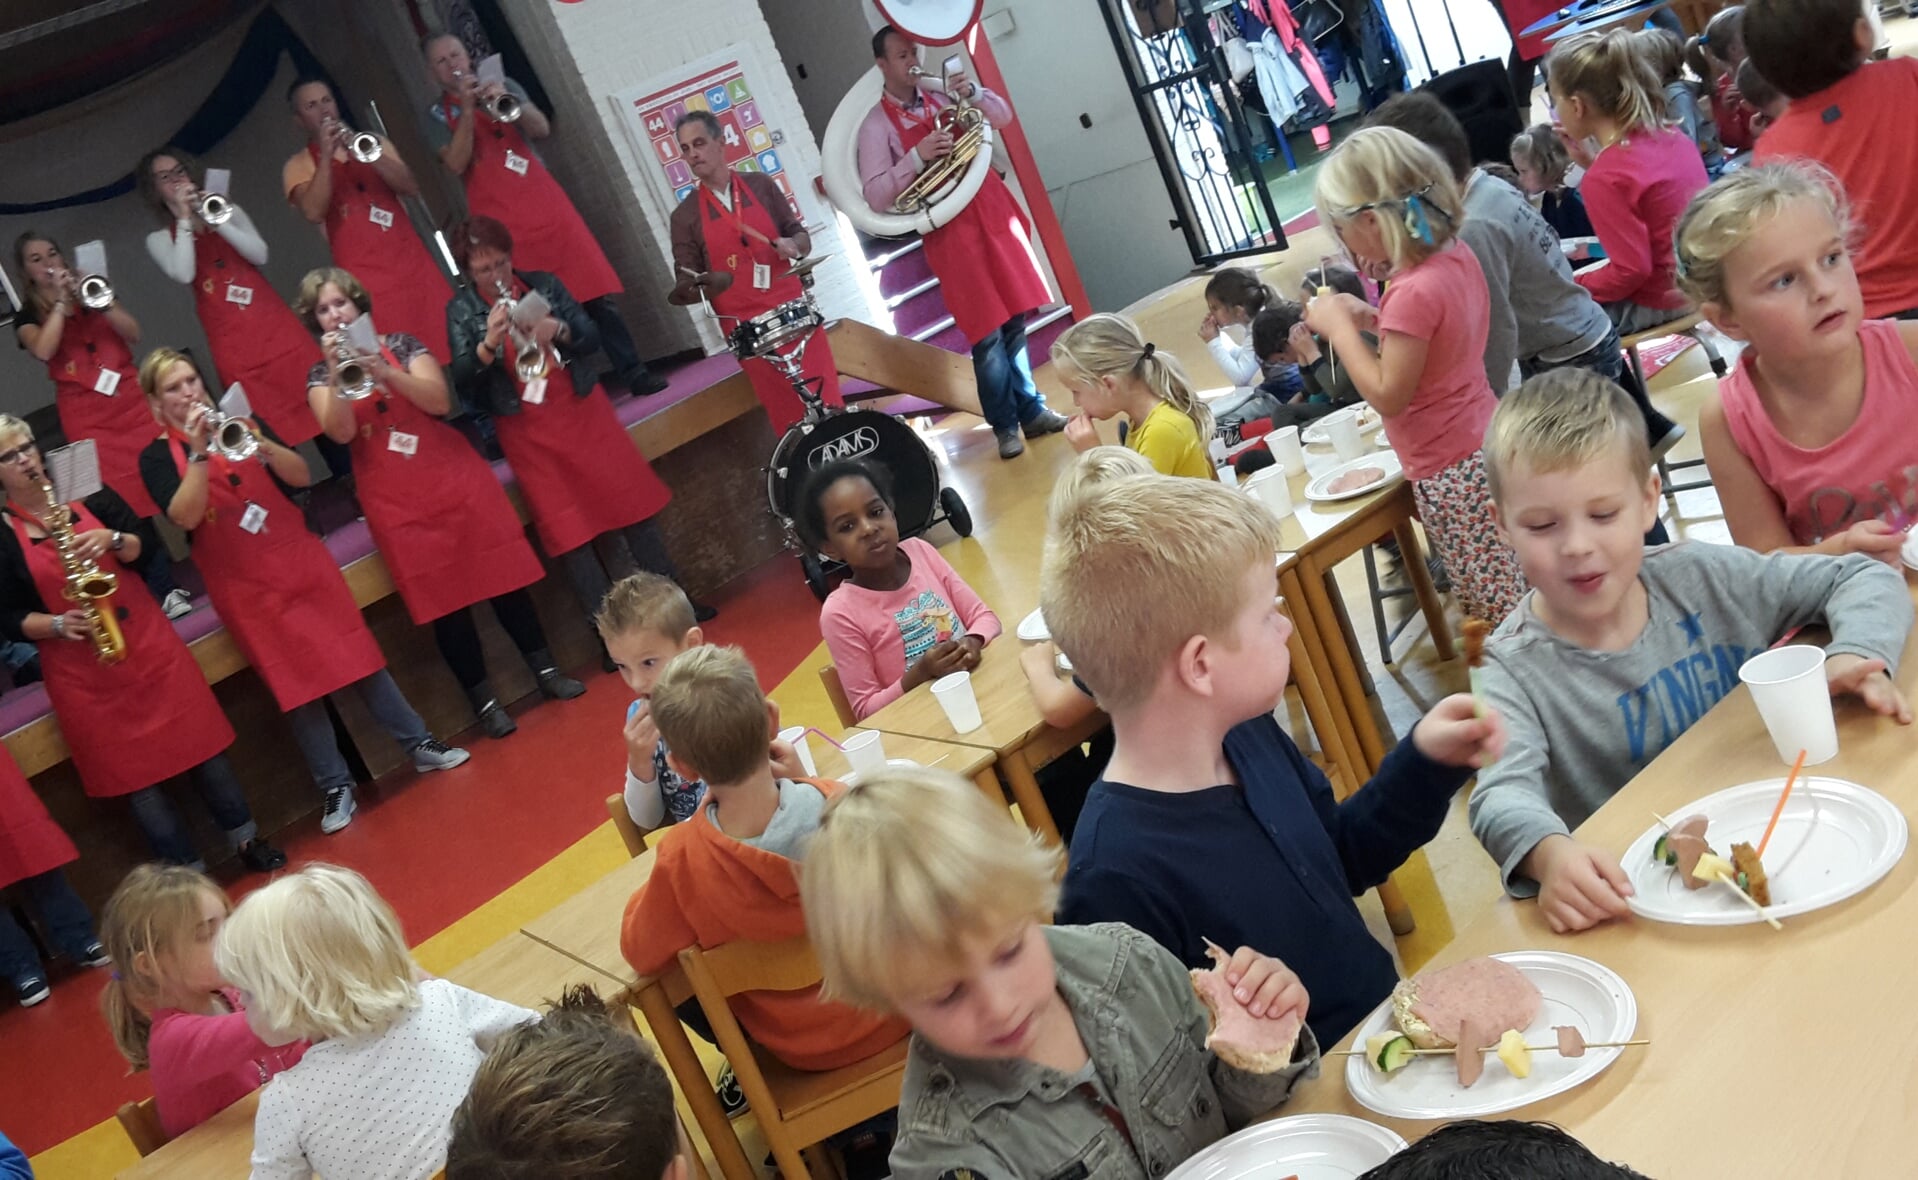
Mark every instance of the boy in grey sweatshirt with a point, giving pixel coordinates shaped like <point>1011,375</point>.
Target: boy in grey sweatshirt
<point>1617,650</point>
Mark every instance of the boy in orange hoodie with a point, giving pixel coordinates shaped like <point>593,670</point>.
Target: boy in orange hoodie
<point>728,872</point>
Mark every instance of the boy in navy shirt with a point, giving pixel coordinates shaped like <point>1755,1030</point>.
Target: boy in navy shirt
<point>1209,823</point>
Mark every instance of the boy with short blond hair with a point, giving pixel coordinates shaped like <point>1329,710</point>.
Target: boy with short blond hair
<point>1035,1048</point>
<point>729,872</point>
<point>644,621</point>
<point>1617,650</point>
<point>1209,823</point>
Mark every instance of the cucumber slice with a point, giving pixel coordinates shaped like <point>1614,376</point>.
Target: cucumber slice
<point>1662,851</point>
<point>1395,1054</point>
<point>1744,883</point>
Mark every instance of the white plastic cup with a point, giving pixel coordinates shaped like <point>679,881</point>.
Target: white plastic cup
<point>864,751</point>
<point>1269,487</point>
<point>1788,686</point>
<point>795,736</point>
<point>1343,429</point>
<point>1228,475</point>
<point>1285,448</point>
<point>954,694</point>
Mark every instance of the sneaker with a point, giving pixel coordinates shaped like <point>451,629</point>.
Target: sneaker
<point>339,810</point>
<point>1663,446</point>
<point>644,382</point>
<point>732,1099</point>
<point>31,989</point>
<point>177,604</point>
<point>261,857</point>
<point>558,686</point>
<point>1047,421</point>
<point>92,955</point>
<point>1011,446</point>
<point>497,722</point>
<point>433,754</point>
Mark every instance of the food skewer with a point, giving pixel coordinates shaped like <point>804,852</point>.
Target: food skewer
<point>1476,632</point>
<point>1452,1051</point>
<point>1709,871</point>
<point>1325,288</point>
<point>1779,808</point>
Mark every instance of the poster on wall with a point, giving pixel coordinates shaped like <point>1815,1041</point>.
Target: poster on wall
<point>725,85</point>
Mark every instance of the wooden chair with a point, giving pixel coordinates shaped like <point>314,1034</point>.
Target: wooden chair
<point>795,1109</point>
<point>141,1122</point>
<point>836,693</point>
<point>1686,325</point>
<point>629,832</point>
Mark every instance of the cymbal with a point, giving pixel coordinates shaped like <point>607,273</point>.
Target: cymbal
<point>806,266</point>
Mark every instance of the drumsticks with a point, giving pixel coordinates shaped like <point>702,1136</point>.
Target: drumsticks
<point>1779,809</point>
<point>1732,885</point>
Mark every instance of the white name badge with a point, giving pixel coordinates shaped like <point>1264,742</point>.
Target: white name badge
<point>517,163</point>
<point>379,217</point>
<point>406,444</point>
<point>762,276</point>
<point>535,391</point>
<point>108,382</point>
<point>240,295</point>
<point>253,519</point>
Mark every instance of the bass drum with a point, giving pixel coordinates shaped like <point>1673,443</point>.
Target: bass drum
<point>857,434</point>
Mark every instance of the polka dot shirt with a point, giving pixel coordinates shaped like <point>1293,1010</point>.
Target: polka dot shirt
<point>380,1107</point>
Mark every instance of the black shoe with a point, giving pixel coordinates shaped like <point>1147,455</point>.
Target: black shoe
<point>645,383</point>
<point>493,718</point>
<point>93,954</point>
<point>866,1157</point>
<point>557,685</point>
<point>704,613</point>
<point>732,1099</point>
<point>261,857</point>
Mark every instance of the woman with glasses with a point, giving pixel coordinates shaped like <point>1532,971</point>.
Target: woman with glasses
<point>133,723</point>
<point>89,355</point>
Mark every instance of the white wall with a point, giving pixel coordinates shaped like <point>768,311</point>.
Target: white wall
<point>830,40</point>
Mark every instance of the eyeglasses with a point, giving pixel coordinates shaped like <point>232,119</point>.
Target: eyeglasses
<point>17,454</point>
<point>171,175</point>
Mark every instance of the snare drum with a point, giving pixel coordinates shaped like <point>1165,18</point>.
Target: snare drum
<point>770,331</point>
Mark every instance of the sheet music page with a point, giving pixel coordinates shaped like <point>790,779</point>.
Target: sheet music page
<point>90,258</point>
<point>217,180</point>
<point>233,402</point>
<point>75,470</point>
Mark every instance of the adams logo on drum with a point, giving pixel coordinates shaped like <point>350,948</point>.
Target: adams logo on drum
<point>855,444</point>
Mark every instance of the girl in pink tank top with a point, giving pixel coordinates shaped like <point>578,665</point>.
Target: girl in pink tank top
<point>1810,444</point>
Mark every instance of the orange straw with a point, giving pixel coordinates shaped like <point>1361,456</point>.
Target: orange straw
<point>1782,796</point>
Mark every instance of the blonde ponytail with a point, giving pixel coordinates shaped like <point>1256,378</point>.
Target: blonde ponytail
<point>130,1026</point>
<point>1107,345</point>
<point>1612,72</point>
<point>150,916</point>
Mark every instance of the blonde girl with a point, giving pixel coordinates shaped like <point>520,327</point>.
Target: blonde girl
<point>170,1012</point>
<point>1394,205</point>
<point>1233,299</point>
<point>318,955</point>
<point>1802,458</point>
<point>1634,189</point>
<point>1111,369</point>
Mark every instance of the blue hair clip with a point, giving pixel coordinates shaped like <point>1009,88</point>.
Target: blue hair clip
<point>1416,223</point>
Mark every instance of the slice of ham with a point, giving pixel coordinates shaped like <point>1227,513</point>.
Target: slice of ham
<point>1255,1044</point>
<point>1688,848</point>
<point>1691,825</point>
<point>1353,480</point>
<point>1469,1055</point>
<point>1571,1042</point>
<point>1489,992</point>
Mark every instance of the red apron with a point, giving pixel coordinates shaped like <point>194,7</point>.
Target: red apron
<point>548,233</point>
<point>444,526</point>
<point>120,425</point>
<point>140,721</point>
<point>277,589</point>
<point>732,248</point>
<point>256,338</point>
<point>984,258</point>
<point>580,472</point>
<point>30,842</point>
<point>409,291</point>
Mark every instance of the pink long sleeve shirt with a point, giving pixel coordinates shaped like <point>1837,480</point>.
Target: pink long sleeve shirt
<point>885,166</point>
<point>203,1064</point>
<point>873,636</point>
<point>1634,193</point>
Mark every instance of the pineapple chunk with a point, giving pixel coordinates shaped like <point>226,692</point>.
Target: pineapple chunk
<point>1513,1051</point>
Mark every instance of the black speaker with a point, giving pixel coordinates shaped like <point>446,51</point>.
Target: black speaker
<point>1481,96</point>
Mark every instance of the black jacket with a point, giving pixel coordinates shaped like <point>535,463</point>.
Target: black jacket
<point>20,597</point>
<point>490,389</point>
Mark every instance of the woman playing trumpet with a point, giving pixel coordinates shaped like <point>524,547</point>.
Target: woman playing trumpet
<point>256,339</point>
<point>444,526</point>
<point>277,589</point>
<point>582,476</point>
<point>130,723</point>
<point>89,355</point>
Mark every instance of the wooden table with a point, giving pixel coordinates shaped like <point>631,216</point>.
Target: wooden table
<point>1774,1054</point>
<point>515,969</point>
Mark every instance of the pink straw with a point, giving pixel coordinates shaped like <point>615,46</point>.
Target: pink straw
<point>829,739</point>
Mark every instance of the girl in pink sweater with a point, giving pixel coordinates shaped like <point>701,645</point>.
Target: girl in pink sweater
<point>1810,443</point>
<point>1640,181</point>
<point>904,618</point>
<point>170,1012</point>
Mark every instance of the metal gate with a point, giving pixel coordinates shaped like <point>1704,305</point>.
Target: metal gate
<point>1183,89</point>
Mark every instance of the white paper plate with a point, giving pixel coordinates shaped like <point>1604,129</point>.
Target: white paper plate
<point>1588,996</point>
<point>1910,551</point>
<point>1385,461</point>
<point>852,776</point>
<point>1064,661</point>
<point>1032,628</point>
<point>1315,435</point>
<point>1309,1146</point>
<point>1834,840</point>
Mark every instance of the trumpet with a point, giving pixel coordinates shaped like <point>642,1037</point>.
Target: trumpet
<point>95,292</point>
<point>363,145</point>
<point>530,360</point>
<point>966,123</point>
<point>353,380</point>
<point>500,108</point>
<point>212,208</point>
<point>231,436</point>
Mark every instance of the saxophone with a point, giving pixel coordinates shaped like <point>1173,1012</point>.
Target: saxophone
<point>88,586</point>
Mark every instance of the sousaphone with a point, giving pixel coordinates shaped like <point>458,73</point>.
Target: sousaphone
<point>929,22</point>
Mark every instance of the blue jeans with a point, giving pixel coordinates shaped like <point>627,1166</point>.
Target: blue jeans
<point>63,918</point>
<point>313,729</point>
<point>160,822</point>
<point>1004,373</point>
